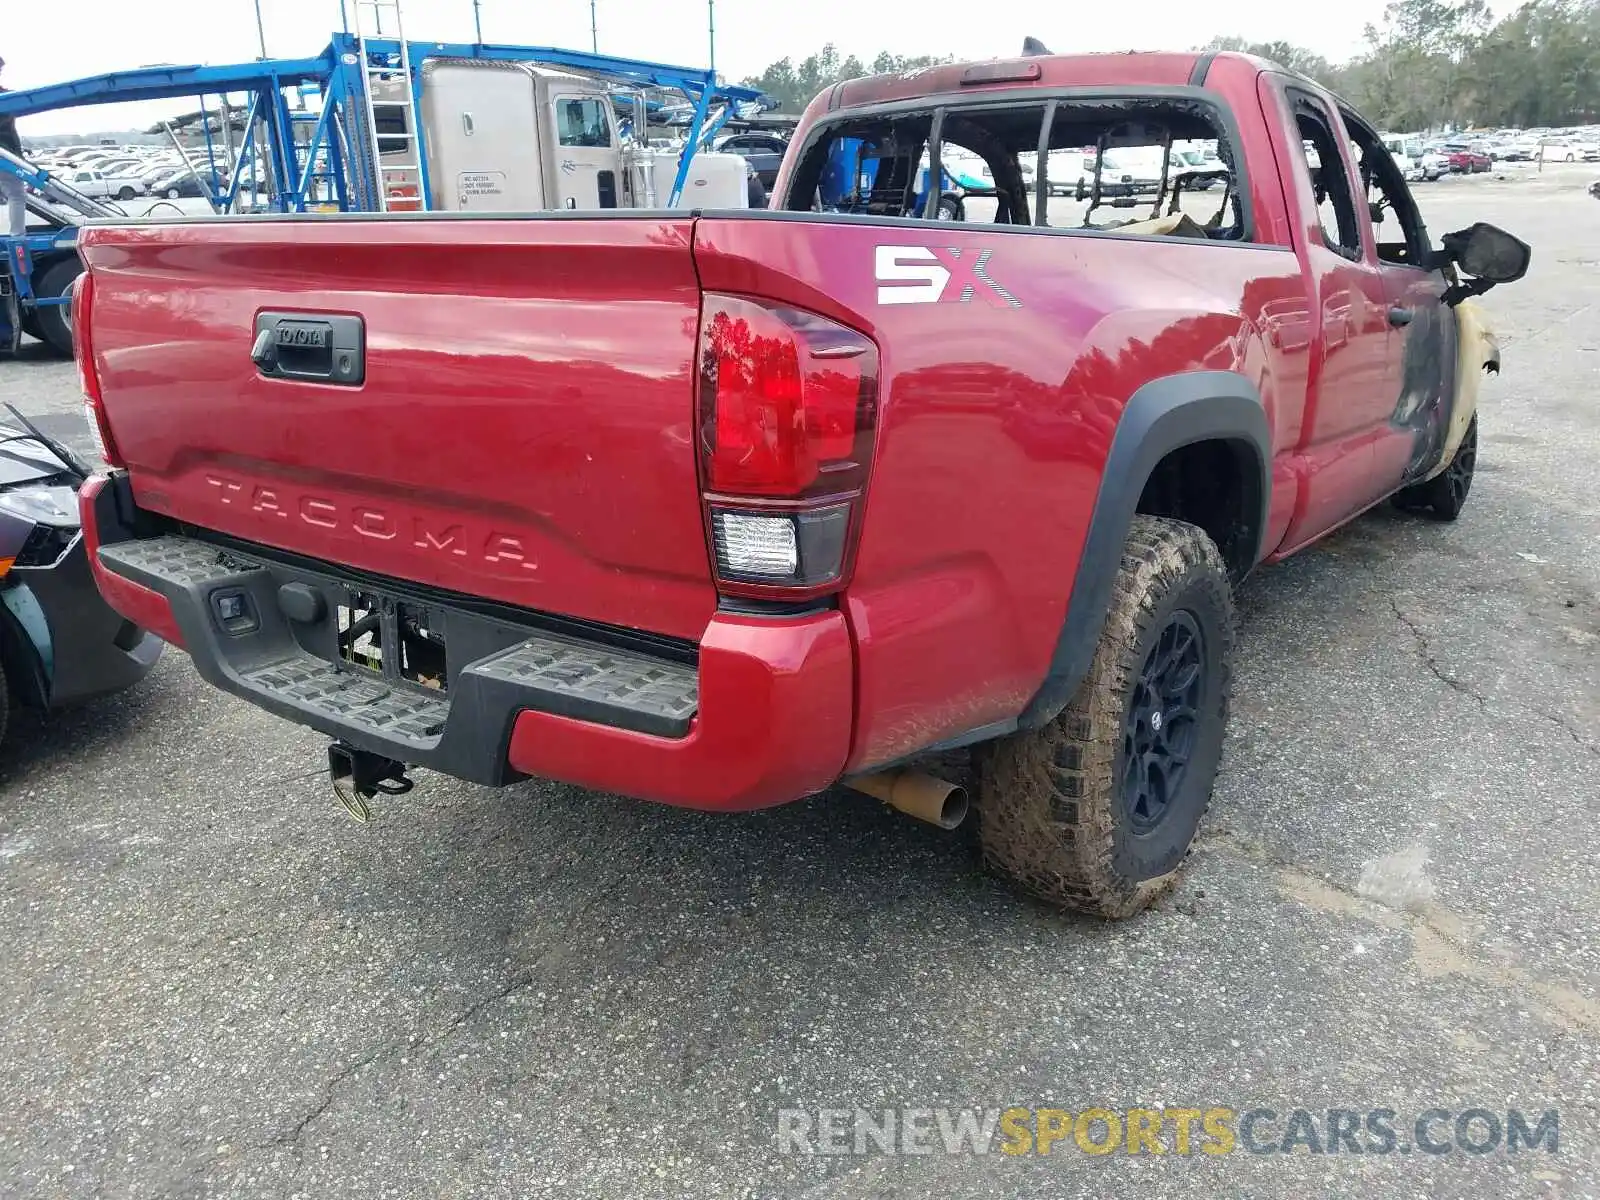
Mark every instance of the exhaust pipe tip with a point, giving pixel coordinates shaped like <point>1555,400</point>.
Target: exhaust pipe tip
<point>936,801</point>
<point>954,809</point>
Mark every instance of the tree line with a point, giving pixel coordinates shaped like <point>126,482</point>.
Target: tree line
<point>1432,63</point>
<point>793,86</point>
<point>1427,64</point>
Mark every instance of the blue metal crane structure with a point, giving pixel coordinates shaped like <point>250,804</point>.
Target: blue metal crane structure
<point>333,163</point>
<point>312,125</point>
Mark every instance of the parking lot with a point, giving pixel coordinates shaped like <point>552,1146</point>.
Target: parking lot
<point>217,984</point>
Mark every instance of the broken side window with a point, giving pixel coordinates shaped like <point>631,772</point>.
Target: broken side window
<point>1396,222</point>
<point>1324,161</point>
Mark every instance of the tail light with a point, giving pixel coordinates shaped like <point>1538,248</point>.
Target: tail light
<point>788,411</point>
<point>94,409</point>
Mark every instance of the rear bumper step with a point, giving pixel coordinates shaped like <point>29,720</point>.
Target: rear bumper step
<point>763,717</point>
<point>228,608</point>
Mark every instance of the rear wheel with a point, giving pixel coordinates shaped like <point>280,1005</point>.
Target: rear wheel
<point>126,193</point>
<point>1096,810</point>
<point>171,193</point>
<point>55,320</point>
<point>951,209</point>
<point>1445,495</point>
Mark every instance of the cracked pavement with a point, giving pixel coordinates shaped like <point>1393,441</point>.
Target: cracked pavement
<point>218,985</point>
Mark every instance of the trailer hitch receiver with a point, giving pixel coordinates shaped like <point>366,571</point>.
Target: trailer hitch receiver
<point>359,775</point>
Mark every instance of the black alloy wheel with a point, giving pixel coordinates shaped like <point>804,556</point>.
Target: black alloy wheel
<point>1158,736</point>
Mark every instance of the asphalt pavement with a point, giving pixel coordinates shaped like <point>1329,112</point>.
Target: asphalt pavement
<point>216,984</point>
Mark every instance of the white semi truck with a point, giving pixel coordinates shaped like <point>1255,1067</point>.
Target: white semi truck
<point>518,137</point>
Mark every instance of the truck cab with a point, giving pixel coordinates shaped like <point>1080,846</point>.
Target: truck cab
<point>89,181</point>
<point>520,137</point>
<point>514,136</point>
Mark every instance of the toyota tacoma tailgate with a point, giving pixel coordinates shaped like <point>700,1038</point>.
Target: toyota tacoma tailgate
<point>502,408</point>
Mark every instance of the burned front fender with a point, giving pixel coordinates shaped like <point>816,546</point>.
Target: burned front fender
<point>1477,352</point>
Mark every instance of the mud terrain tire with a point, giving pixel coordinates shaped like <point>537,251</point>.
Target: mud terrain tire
<point>1097,810</point>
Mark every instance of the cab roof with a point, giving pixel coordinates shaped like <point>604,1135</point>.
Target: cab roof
<point>1131,68</point>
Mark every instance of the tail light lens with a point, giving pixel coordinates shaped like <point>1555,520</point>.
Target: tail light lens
<point>788,409</point>
<point>94,409</point>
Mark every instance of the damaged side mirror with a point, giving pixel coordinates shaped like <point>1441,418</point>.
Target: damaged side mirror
<point>1486,253</point>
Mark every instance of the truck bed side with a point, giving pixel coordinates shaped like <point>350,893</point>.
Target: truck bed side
<point>524,431</point>
<point>1000,403</point>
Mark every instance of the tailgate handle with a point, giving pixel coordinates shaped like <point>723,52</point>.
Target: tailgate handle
<point>319,347</point>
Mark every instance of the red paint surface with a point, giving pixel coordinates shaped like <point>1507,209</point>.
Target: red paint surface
<point>773,725</point>
<point>135,601</point>
<point>994,427</point>
<point>530,387</point>
<point>523,432</point>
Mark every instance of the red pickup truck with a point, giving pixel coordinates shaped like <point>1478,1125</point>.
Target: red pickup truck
<point>721,508</point>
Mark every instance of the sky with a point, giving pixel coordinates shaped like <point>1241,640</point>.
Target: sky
<point>67,39</point>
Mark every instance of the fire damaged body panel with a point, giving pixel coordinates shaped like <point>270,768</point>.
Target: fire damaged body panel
<point>1476,352</point>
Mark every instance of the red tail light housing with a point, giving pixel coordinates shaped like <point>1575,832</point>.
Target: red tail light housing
<point>94,409</point>
<point>786,422</point>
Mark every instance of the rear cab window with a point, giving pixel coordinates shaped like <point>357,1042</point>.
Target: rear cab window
<point>1156,166</point>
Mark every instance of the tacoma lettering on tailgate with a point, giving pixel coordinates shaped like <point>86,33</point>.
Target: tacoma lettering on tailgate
<point>370,521</point>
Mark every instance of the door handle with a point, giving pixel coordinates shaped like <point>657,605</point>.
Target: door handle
<point>323,348</point>
<point>1399,316</point>
<point>261,353</point>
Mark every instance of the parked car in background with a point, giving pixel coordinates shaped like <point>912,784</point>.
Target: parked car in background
<point>1465,158</point>
<point>88,181</point>
<point>174,184</point>
<point>975,167</point>
<point>1199,171</point>
<point>1124,171</point>
<point>59,641</point>
<point>1064,167</point>
<point>159,169</point>
<point>763,151</point>
<point>127,183</point>
<point>1567,149</point>
<point>966,171</point>
<point>1407,156</point>
<point>1431,165</point>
